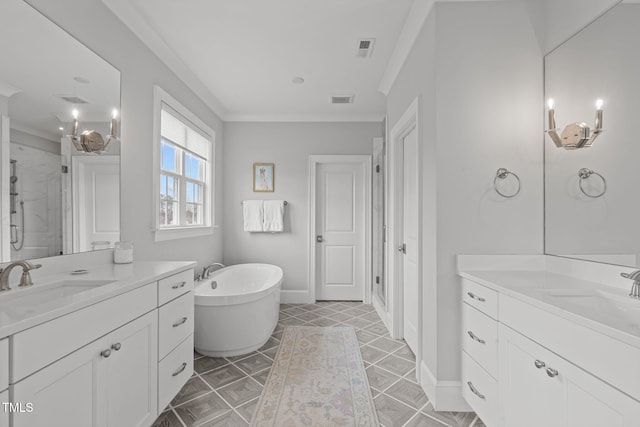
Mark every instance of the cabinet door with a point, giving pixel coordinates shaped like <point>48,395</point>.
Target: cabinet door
<point>529,397</point>
<point>63,393</point>
<point>129,377</point>
<point>4,414</point>
<point>557,394</point>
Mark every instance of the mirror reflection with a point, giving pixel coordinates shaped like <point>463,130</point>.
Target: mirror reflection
<point>590,208</point>
<point>55,197</point>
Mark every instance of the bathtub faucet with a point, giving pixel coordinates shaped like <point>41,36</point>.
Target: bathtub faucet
<point>207,270</point>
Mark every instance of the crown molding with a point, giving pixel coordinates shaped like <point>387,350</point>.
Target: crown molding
<point>412,26</point>
<point>294,117</point>
<point>133,19</point>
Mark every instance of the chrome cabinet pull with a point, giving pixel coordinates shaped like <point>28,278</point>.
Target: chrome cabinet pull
<point>180,322</point>
<point>180,369</point>
<point>474,390</point>
<point>539,364</point>
<point>179,285</point>
<point>105,353</point>
<point>475,337</point>
<point>476,297</point>
<point>117,346</point>
<point>552,372</point>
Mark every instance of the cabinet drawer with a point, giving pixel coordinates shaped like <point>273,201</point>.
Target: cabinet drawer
<point>4,364</point>
<point>174,371</point>
<point>173,286</point>
<point>41,345</point>
<point>480,338</point>
<point>479,390</point>
<point>175,320</point>
<point>480,297</point>
<point>4,416</point>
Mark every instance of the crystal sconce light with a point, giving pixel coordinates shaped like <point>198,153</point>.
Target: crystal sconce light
<point>91,141</point>
<point>575,135</point>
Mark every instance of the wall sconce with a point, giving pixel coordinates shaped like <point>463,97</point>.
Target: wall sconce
<point>575,135</point>
<point>91,141</point>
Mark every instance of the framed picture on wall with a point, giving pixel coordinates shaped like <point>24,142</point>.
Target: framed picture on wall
<point>263,177</point>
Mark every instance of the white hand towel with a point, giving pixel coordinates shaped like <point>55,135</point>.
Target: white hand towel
<point>273,216</point>
<point>253,213</point>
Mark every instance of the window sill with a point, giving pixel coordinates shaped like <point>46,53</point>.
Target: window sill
<point>164,234</point>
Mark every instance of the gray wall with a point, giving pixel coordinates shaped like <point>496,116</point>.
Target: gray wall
<point>91,22</point>
<point>478,70</point>
<point>288,145</point>
<point>555,21</point>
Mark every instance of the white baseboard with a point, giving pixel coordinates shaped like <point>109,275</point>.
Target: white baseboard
<point>382,312</point>
<point>444,395</point>
<point>294,297</point>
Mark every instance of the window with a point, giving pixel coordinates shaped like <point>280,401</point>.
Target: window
<point>184,171</point>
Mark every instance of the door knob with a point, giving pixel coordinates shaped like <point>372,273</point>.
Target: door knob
<point>402,248</point>
<point>319,238</point>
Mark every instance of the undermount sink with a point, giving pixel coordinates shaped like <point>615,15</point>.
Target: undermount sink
<point>37,296</point>
<point>603,304</point>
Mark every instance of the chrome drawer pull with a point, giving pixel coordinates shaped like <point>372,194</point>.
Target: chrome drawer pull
<point>117,346</point>
<point>180,322</point>
<point>473,389</point>
<point>179,285</point>
<point>476,297</point>
<point>475,337</point>
<point>179,371</point>
<point>539,364</point>
<point>105,353</point>
<point>552,372</point>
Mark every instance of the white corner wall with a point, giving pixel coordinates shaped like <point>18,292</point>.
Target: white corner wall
<point>477,67</point>
<point>289,146</point>
<point>555,21</point>
<point>91,22</point>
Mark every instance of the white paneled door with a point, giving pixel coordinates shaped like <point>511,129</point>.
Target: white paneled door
<point>409,246</point>
<point>96,202</point>
<point>340,228</point>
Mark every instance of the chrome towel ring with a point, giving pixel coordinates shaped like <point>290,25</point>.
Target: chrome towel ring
<point>502,174</point>
<point>585,174</point>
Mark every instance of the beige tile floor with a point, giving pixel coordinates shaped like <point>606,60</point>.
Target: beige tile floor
<point>225,391</point>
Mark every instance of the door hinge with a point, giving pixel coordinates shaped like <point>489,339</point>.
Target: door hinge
<point>377,168</point>
<point>377,280</point>
<point>65,169</point>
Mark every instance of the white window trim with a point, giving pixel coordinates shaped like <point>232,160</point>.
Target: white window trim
<point>171,233</point>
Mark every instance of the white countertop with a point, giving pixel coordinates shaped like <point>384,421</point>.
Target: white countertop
<point>121,277</point>
<point>605,309</point>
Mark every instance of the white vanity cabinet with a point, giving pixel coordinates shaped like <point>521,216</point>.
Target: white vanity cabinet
<point>540,388</point>
<point>99,365</point>
<point>480,350</point>
<point>175,335</point>
<point>524,366</point>
<point>110,382</point>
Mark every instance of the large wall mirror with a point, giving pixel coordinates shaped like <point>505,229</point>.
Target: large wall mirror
<point>55,199</point>
<point>594,214</point>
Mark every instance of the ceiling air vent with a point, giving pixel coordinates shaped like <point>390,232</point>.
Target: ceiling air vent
<point>72,99</point>
<point>342,99</point>
<point>365,48</point>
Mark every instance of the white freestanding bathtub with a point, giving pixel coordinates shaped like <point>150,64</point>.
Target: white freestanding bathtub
<point>237,309</point>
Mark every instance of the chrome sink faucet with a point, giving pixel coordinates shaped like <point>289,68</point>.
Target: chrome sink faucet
<point>25,279</point>
<point>207,270</point>
<point>635,288</point>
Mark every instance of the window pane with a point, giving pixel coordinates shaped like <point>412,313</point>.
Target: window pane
<point>170,156</point>
<point>194,166</point>
<point>194,214</point>
<point>168,213</point>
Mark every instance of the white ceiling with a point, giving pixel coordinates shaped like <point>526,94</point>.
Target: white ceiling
<point>40,60</point>
<point>246,52</point>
